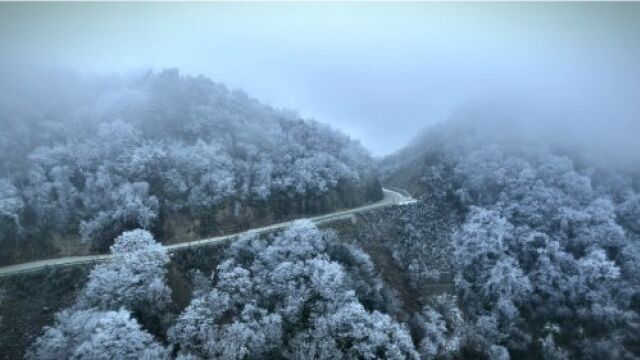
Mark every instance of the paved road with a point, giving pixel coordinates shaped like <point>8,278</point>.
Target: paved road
<point>390,198</point>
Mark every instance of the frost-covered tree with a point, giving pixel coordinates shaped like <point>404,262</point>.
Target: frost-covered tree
<point>130,206</point>
<point>368,335</point>
<point>548,238</point>
<point>441,328</point>
<point>2,297</point>
<point>110,154</point>
<point>11,207</point>
<point>290,297</point>
<point>95,335</point>
<point>491,281</point>
<point>51,197</point>
<point>134,278</point>
<point>629,212</point>
<point>551,351</point>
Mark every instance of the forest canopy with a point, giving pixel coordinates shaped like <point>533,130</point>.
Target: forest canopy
<point>94,156</point>
<point>545,257</point>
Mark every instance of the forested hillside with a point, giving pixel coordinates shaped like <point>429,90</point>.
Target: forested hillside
<point>546,255</point>
<point>455,181</point>
<point>516,249</point>
<point>300,294</point>
<point>84,158</point>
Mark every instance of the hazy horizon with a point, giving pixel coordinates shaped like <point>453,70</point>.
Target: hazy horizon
<point>377,71</point>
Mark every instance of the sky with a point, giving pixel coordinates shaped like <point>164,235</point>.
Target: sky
<point>380,72</point>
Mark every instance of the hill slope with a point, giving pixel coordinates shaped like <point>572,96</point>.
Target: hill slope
<point>545,254</point>
<point>86,157</point>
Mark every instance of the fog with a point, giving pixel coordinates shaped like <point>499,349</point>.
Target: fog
<point>379,72</point>
<point>397,181</point>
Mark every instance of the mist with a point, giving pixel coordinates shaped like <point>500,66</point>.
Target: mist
<point>319,181</point>
<point>378,72</point>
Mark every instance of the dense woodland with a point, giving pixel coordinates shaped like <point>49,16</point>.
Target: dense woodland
<point>94,156</point>
<point>546,260</point>
<point>300,295</point>
<point>517,247</point>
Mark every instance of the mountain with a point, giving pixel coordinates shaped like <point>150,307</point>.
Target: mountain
<point>84,158</point>
<point>545,248</point>
<point>517,246</point>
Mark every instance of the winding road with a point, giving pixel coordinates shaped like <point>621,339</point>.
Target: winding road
<point>390,198</point>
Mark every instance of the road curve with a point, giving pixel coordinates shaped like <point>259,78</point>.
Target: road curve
<point>390,198</point>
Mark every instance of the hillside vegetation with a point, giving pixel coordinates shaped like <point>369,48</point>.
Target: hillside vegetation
<point>516,249</point>
<point>546,258</point>
<point>85,158</point>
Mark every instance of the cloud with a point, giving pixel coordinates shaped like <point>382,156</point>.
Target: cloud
<point>378,71</point>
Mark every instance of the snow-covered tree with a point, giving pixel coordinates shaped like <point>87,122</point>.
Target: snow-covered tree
<point>134,278</point>
<point>11,206</point>
<point>2,297</point>
<point>441,327</point>
<point>130,207</point>
<point>114,153</point>
<point>291,297</point>
<point>368,335</point>
<point>629,213</point>
<point>96,335</point>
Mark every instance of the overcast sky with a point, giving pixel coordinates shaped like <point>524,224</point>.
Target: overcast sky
<point>377,71</point>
